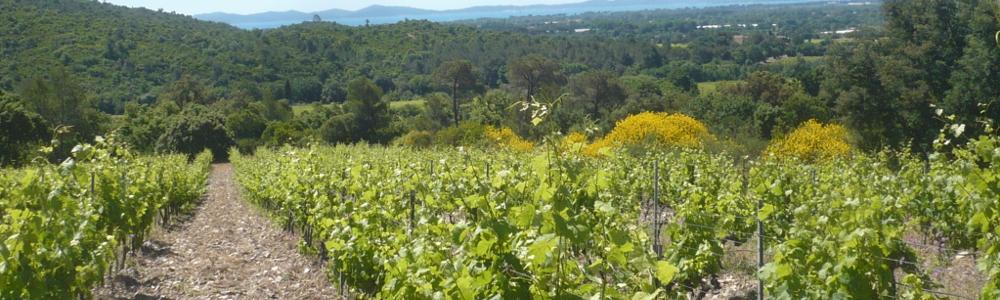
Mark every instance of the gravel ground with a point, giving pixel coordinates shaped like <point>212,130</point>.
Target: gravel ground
<point>225,250</point>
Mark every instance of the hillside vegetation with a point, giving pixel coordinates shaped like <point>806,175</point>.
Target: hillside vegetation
<point>167,76</point>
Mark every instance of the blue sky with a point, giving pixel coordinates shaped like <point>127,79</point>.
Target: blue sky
<point>245,7</point>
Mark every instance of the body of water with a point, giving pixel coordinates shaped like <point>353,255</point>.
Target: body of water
<point>448,16</point>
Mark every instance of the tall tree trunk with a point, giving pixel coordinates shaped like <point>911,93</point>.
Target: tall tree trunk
<point>454,100</point>
<point>531,92</point>
<point>597,108</point>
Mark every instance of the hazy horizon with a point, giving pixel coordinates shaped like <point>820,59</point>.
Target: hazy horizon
<point>195,7</point>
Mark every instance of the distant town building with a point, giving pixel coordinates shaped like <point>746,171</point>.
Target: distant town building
<point>844,31</point>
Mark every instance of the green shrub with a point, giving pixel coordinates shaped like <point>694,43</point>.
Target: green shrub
<point>283,133</point>
<point>20,131</point>
<point>466,134</point>
<point>415,139</point>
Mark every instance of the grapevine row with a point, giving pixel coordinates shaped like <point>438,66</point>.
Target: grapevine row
<point>63,226</point>
<point>398,223</point>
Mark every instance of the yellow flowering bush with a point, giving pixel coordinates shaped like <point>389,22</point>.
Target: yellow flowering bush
<point>812,141</point>
<point>506,138</point>
<point>662,129</point>
<point>595,148</point>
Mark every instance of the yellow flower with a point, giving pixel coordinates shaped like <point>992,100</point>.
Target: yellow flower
<point>660,129</point>
<point>812,141</point>
<point>506,138</point>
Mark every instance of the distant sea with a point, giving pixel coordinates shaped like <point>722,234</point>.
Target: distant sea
<point>447,16</point>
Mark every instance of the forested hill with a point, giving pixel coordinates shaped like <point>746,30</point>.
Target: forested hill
<point>121,54</point>
<point>116,52</point>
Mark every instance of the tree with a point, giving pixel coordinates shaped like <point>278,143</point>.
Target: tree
<point>854,89</point>
<point>766,87</point>
<point>20,131</point>
<point>246,127</point>
<point>436,111</point>
<point>144,125</point>
<point>683,74</point>
<point>385,82</point>
<point>287,90</point>
<point>186,90</point>
<point>333,91</point>
<point>459,76</point>
<point>274,110</point>
<point>646,95</point>
<point>533,72</point>
<point>494,109</point>
<point>642,86</point>
<point>246,124</point>
<point>371,114</point>
<point>341,128</point>
<point>306,89</point>
<point>780,103</point>
<point>420,85</point>
<point>195,130</point>
<point>974,82</point>
<point>283,133</point>
<point>598,89</point>
<point>731,115</point>
<point>884,88</point>
<point>651,58</point>
<point>926,39</point>
<point>61,101</point>
<point>929,35</point>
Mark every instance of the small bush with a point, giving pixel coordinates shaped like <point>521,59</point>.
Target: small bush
<point>415,139</point>
<point>466,134</point>
<point>812,141</point>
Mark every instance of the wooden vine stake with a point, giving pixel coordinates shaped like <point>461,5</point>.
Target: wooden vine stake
<point>413,195</point>
<point>760,232</point>
<point>657,246</point>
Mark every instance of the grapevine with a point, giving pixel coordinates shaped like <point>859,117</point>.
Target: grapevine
<point>63,226</point>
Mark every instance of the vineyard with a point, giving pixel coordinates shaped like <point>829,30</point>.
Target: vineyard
<point>633,150</point>
<point>469,224</point>
<point>66,226</point>
<point>399,223</point>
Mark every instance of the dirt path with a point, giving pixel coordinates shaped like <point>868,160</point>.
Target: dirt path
<point>227,250</point>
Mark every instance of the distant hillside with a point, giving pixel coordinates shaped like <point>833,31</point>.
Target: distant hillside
<point>121,54</point>
<point>378,14</point>
<point>116,52</point>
